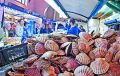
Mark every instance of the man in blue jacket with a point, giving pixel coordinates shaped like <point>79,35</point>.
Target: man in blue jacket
<point>73,28</point>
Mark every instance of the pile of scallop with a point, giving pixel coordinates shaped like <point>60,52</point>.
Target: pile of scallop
<point>68,55</point>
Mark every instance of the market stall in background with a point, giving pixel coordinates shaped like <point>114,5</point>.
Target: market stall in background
<point>34,40</point>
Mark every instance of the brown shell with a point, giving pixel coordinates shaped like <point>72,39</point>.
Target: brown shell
<point>99,66</point>
<point>51,45</point>
<point>41,64</point>
<point>64,39</point>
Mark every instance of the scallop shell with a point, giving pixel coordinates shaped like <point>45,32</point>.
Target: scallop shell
<point>114,69</point>
<point>99,42</point>
<point>71,64</point>
<point>42,39</point>
<point>51,45</point>
<point>108,33</point>
<point>109,56</point>
<point>75,50</point>
<point>65,74</point>
<point>31,59</point>
<point>83,47</point>
<point>41,64</point>
<point>99,52</point>
<point>83,71</point>
<point>39,48</point>
<point>83,58</point>
<point>117,57</point>
<point>85,36</point>
<point>99,66</point>
<point>65,44</point>
<point>49,54</point>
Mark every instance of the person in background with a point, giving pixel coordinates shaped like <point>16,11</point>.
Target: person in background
<point>12,30</point>
<point>25,33</point>
<point>19,28</point>
<point>82,29</point>
<point>73,28</point>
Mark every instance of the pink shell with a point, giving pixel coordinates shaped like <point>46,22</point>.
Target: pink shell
<point>85,36</point>
<point>99,42</point>
<point>99,52</point>
<point>83,58</point>
<point>117,57</point>
<point>99,66</point>
<point>39,48</point>
<point>71,64</point>
<point>83,71</point>
<point>51,45</point>
<point>109,56</point>
<point>108,33</point>
<point>83,47</point>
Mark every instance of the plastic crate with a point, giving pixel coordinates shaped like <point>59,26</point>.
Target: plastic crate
<point>14,53</point>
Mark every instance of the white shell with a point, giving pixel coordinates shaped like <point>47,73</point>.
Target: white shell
<point>83,58</point>
<point>83,71</point>
<point>99,66</point>
<point>49,54</point>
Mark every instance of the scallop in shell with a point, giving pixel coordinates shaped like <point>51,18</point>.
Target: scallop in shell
<point>109,33</point>
<point>100,52</point>
<point>71,64</point>
<point>51,45</point>
<point>85,36</point>
<point>83,58</point>
<point>109,56</point>
<point>49,54</point>
<point>83,71</point>
<point>99,66</point>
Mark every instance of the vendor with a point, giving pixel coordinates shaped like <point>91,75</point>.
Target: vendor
<point>73,28</point>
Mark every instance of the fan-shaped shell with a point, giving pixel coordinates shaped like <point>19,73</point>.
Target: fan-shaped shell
<point>75,50</point>
<point>85,36</point>
<point>109,56</point>
<point>31,59</point>
<point>42,39</point>
<point>99,42</point>
<point>83,58</point>
<point>117,57</point>
<point>51,45</point>
<point>41,64</point>
<point>99,52</point>
<point>71,64</point>
<point>84,47</point>
<point>49,54</point>
<point>39,48</point>
<point>83,71</point>
<point>108,33</point>
<point>99,66</point>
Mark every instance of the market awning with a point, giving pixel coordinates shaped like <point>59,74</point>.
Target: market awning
<point>80,9</point>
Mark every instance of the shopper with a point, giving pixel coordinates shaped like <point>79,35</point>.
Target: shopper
<point>73,28</point>
<point>19,28</point>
